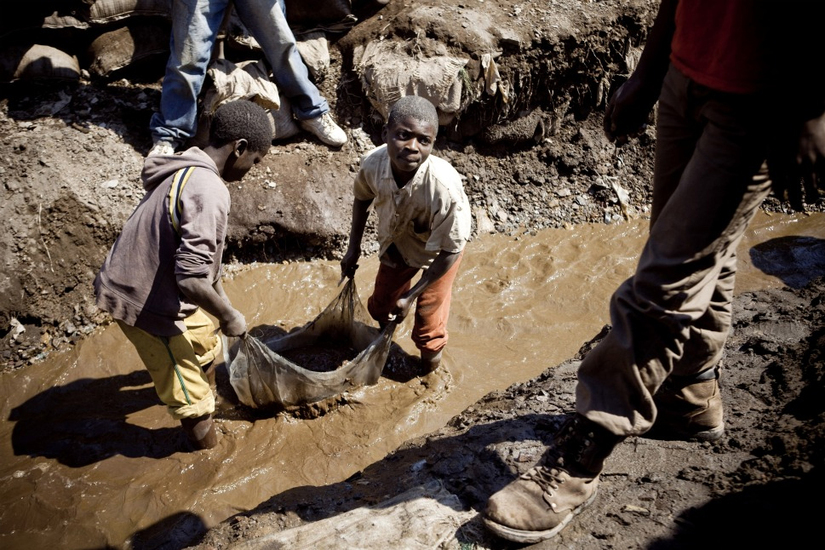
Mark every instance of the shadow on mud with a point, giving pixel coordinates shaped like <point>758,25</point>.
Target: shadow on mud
<point>775,514</point>
<point>796,260</point>
<point>85,422</point>
<point>170,533</point>
<point>468,466</point>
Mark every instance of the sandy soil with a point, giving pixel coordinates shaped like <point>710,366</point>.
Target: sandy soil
<point>71,155</point>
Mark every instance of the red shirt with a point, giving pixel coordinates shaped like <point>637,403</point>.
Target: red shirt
<point>722,44</point>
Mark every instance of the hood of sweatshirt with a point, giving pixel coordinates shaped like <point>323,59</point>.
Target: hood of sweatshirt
<point>157,168</point>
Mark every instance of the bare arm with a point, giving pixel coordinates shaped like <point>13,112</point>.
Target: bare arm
<point>796,160</point>
<point>212,298</point>
<point>360,212</point>
<point>441,265</point>
<point>796,153</point>
<point>628,108</point>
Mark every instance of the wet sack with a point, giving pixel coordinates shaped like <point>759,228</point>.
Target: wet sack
<point>263,378</point>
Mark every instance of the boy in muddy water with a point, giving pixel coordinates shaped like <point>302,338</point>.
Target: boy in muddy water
<point>737,84</point>
<point>164,270</point>
<point>424,222</point>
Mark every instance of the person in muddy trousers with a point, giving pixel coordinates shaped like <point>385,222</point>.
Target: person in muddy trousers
<point>164,270</point>
<point>424,222</point>
<point>740,109</point>
<point>195,27</point>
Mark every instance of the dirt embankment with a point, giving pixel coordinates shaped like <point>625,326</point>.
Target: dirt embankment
<point>526,136</point>
<point>72,152</point>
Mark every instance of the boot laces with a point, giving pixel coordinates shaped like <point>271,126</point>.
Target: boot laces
<point>548,479</point>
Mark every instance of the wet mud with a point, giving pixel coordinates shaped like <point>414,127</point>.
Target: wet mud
<point>325,357</point>
<point>660,495</point>
<point>91,459</point>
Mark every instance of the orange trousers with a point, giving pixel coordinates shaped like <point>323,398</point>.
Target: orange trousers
<point>432,309</point>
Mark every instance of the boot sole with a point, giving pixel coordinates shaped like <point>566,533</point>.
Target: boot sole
<point>531,537</point>
<point>671,434</point>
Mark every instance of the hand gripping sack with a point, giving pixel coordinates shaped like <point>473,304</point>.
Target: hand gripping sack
<point>263,378</point>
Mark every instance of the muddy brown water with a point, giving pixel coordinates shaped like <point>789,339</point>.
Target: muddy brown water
<point>88,458</point>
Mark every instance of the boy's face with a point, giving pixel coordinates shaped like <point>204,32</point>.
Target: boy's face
<point>241,161</point>
<point>409,144</point>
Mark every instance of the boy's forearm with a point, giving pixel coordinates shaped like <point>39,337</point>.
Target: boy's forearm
<point>360,213</point>
<point>218,286</point>
<point>207,296</point>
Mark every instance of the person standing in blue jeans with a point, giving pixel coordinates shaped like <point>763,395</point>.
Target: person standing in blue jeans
<point>195,26</point>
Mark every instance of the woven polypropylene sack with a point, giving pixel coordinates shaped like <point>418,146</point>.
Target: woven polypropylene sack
<point>262,378</point>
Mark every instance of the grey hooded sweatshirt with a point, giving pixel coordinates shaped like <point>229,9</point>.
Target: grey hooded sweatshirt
<point>137,283</point>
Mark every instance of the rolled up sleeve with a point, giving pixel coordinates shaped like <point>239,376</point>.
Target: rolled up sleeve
<point>203,230</point>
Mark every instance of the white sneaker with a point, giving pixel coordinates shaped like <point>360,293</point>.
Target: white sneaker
<point>283,124</point>
<point>162,147</point>
<point>325,129</point>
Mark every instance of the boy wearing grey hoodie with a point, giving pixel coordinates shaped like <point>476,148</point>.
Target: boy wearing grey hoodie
<point>164,270</point>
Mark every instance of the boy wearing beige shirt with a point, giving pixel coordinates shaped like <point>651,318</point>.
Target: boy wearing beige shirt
<point>424,222</point>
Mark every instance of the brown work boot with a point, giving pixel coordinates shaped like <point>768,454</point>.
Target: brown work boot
<point>689,408</point>
<point>200,432</point>
<point>538,505</point>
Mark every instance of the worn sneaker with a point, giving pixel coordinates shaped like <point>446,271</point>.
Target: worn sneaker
<point>325,129</point>
<point>162,147</point>
<point>542,501</point>
<point>283,123</point>
<point>689,408</point>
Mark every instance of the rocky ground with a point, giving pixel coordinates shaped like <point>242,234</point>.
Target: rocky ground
<point>71,155</point>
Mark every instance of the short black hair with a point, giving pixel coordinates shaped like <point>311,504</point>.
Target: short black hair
<point>241,119</point>
<point>413,106</point>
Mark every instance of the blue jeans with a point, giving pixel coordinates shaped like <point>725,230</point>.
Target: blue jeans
<point>673,315</point>
<point>195,25</point>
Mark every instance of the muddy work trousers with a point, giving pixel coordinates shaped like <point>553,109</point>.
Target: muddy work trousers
<point>176,364</point>
<point>432,309</point>
<point>673,315</point>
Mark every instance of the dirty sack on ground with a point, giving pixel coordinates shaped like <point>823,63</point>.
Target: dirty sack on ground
<point>339,350</point>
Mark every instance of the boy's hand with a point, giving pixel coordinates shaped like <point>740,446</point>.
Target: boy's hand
<point>627,112</point>
<point>235,325</point>
<point>350,263</point>
<point>402,308</point>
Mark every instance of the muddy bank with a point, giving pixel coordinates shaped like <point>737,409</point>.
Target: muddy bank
<point>73,152</point>
<point>83,429</point>
<point>526,135</point>
<point>653,494</point>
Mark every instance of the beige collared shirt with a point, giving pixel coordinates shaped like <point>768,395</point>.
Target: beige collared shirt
<point>429,214</point>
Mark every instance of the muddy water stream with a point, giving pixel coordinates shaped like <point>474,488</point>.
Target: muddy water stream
<point>88,458</point>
